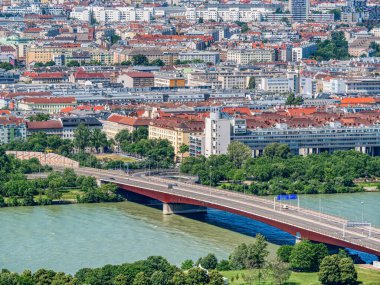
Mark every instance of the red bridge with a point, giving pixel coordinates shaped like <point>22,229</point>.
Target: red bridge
<point>185,198</point>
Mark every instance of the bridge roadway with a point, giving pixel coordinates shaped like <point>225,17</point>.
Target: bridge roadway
<point>311,225</point>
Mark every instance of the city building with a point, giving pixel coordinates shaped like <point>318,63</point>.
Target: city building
<point>217,133</point>
<point>176,131</point>
<point>136,79</point>
<point>50,105</point>
<point>12,129</point>
<point>299,10</point>
<point>70,124</point>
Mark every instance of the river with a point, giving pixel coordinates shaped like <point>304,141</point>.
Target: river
<point>69,237</point>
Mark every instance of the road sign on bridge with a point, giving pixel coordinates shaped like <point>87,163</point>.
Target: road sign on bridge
<point>287,197</point>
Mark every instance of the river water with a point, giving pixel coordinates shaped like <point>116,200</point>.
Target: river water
<point>70,237</point>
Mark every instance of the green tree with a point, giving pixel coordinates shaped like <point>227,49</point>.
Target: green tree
<point>39,117</point>
<point>50,63</point>
<point>348,273</point>
<point>115,39</point>
<point>6,65</point>
<point>140,59</point>
<point>284,252</point>
<point>126,63</point>
<point>307,256</point>
<point>197,276</point>
<point>277,150</point>
<point>82,137</point>
<point>200,20</point>
<point>209,261</point>
<point>73,63</point>
<point>257,253</point>
<point>157,62</point>
<point>141,279</point>
<point>279,271</point>
<point>98,140</point>
<point>252,83</point>
<point>329,271</point>
<point>336,48</point>
<point>120,280</point>
<point>293,100</point>
<point>238,153</point>
<point>179,278</point>
<point>158,278</point>
<point>238,257</point>
<point>215,278</point>
<point>187,264</point>
<point>39,64</point>
<point>223,265</point>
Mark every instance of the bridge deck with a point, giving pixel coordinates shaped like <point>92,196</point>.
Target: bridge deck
<point>310,224</point>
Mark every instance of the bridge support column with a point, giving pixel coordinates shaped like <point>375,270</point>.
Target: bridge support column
<point>174,208</point>
<point>99,182</point>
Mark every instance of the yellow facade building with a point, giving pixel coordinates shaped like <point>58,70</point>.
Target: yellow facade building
<point>176,131</point>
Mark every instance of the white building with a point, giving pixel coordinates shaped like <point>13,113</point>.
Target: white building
<point>109,15</point>
<point>233,81</point>
<point>275,85</point>
<point>205,56</point>
<point>217,133</point>
<point>232,13</point>
<point>247,56</point>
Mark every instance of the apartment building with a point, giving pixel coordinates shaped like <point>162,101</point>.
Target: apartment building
<point>116,123</point>
<point>136,79</point>
<point>205,56</point>
<point>168,79</point>
<point>151,53</point>
<point>275,85</point>
<point>176,131</point>
<point>45,54</point>
<point>217,133</point>
<point>230,13</point>
<point>247,56</point>
<point>50,105</point>
<point>233,81</point>
<point>70,124</point>
<point>12,129</point>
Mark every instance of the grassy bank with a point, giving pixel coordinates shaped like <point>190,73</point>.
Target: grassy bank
<point>365,277</point>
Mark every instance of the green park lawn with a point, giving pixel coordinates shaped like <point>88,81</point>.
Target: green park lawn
<point>365,276</point>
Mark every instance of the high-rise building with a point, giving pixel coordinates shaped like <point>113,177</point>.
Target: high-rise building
<point>217,133</point>
<point>299,9</point>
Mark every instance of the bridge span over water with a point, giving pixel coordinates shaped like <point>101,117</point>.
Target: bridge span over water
<point>185,197</point>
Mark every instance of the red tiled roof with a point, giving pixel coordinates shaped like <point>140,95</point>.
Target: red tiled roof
<point>296,112</point>
<point>360,100</point>
<point>54,100</point>
<point>140,74</point>
<point>130,121</point>
<point>51,124</point>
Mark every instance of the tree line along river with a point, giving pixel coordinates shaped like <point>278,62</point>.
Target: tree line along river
<point>70,237</point>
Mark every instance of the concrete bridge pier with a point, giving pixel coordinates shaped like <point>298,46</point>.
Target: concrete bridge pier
<point>175,208</point>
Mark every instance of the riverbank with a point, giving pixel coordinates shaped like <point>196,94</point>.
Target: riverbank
<point>365,277</point>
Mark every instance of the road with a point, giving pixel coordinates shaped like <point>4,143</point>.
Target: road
<point>330,227</point>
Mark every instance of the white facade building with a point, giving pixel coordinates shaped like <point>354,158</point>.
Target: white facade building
<point>217,133</point>
<point>228,14</point>
<point>109,15</point>
<point>247,56</point>
<point>275,85</point>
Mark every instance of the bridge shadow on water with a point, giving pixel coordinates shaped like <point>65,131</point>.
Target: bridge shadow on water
<point>245,226</point>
